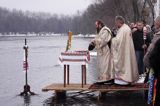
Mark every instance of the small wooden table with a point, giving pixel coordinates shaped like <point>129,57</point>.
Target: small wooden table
<point>74,58</point>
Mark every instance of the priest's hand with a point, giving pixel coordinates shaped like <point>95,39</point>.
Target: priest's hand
<point>91,46</point>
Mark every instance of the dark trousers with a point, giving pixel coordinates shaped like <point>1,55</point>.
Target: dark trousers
<point>139,57</point>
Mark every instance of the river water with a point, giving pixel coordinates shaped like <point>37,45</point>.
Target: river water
<point>44,70</point>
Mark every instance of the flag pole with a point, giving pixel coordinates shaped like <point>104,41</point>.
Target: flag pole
<point>25,66</point>
<point>26,60</point>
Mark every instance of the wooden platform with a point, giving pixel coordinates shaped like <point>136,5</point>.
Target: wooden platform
<point>119,87</point>
<point>88,87</point>
<point>70,87</point>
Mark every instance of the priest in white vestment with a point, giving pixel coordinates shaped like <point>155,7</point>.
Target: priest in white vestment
<point>124,60</point>
<point>101,43</point>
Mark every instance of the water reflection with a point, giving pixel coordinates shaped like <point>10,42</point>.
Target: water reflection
<point>27,100</point>
<point>71,101</point>
<point>117,98</point>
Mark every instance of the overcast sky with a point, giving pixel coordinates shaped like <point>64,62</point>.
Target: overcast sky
<point>67,7</point>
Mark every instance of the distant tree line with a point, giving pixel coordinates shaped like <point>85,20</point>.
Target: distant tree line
<point>23,22</point>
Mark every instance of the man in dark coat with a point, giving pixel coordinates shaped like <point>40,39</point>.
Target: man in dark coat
<point>141,42</point>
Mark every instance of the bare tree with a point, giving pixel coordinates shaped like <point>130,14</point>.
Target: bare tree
<point>106,10</point>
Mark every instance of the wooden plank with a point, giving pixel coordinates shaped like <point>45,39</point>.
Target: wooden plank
<point>53,87</point>
<point>119,87</point>
<point>70,87</point>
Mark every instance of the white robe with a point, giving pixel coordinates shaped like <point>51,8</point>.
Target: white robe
<point>104,62</point>
<point>125,65</point>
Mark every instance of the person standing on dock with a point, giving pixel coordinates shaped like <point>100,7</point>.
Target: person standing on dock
<point>141,41</point>
<point>101,42</point>
<point>124,58</point>
<point>151,61</point>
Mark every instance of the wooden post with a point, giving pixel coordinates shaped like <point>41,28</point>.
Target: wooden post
<point>68,74</point>
<point>64,75</point>
<point>59,94</point>
<point>85,76</point>
<point>102,95</point>
<point>82,75</point>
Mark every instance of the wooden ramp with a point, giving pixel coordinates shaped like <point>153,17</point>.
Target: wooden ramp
<point>88,87</point>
